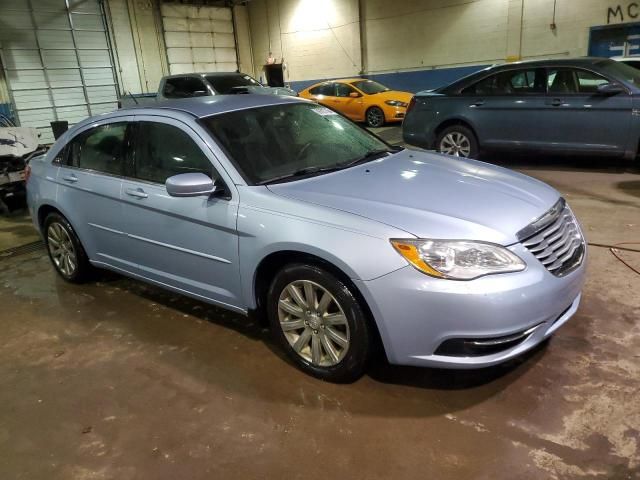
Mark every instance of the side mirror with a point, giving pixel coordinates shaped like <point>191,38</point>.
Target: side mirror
<point>190,185</point>
<point>610,89</point>
<point>354,95</point>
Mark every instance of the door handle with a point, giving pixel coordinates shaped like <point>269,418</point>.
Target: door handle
<point>70,178</point>
<point>556,102</point>
<point>477,103</point>
<point>137,192</point>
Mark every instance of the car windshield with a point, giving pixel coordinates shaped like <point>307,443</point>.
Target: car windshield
<point>225,84</point>
<point>369,87</point>
<point>286,142</point>
<point>620,71</point>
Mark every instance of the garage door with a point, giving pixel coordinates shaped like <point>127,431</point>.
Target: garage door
<point>57,62</point>
<point>199,39</point>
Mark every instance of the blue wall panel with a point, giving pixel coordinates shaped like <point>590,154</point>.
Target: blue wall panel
<point>5,109</point>
<point>409,81</point>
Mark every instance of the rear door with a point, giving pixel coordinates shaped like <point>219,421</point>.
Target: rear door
<point>188,243</point>
<point>578,119</point>
<point>90,179</point>
<point>504,108</point>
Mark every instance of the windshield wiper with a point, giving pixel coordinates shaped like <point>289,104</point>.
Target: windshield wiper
<point>301,173</point>
<point>369,156</point>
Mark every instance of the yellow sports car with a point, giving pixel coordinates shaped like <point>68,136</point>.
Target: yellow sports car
<point>361,100</point>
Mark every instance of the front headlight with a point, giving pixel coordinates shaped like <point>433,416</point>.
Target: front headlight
<point>457,259</point>
<point>396,103</point>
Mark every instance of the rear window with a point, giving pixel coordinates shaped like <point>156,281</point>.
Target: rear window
<point>226,84</point>
<point>184,87</point>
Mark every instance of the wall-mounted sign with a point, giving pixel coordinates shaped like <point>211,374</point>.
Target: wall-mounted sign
<point>623,12</point>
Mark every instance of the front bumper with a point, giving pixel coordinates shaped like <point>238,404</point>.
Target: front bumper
<point>394,114</point>
<point>416,313</point>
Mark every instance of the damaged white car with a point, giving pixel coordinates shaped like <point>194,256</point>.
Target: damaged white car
<point>17,146</point>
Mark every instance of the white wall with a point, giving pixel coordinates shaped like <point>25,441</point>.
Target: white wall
<point>243,38</point>
<point>403,35</point>
<point>418,34</point>
<point>139,44</point>
<point>317,38</point>
<point>573,19</point>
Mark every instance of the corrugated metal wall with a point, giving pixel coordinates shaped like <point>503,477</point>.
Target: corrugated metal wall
<point>199,38</point>
<point>57,61</point>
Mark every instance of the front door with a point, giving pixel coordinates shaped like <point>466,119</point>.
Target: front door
<point>578,119</point>
<point>352,107</point>
<point>188,243</point>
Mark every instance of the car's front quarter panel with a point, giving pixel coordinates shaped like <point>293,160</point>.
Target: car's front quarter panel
<point>269,223</point>
<point>415,313</point>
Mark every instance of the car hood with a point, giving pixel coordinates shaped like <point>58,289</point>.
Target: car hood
<point>393,95</point>
<point>430,195</point>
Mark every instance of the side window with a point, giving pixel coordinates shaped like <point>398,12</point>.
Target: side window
<point>526,81</point>
<point>511,82</point>
<point>184,87</point>
<point>101,149</point>
<point>327,89</point>
<point>561,80</point>
<point>343,90</point>
<point>164,150</point>
<point>486,86</point>
<point>588,82</point>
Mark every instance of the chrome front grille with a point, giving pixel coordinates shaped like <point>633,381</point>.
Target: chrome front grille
<point>555,240</point>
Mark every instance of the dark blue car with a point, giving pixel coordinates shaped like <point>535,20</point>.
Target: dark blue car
<point>575,106</point>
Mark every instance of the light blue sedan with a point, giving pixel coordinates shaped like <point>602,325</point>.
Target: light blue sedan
<point>279,207</point>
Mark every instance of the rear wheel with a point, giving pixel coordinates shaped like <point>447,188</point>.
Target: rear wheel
<point>65,250</point>
<point>319,323</point>
<point>459,141</point>
<point>375,117</point>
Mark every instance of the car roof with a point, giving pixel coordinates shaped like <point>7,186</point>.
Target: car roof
<point>204,74</point>
<point>623,58</point>
<point>214,104</point>
<point>576,62</point>
<point>584,62</point>
<point>198,107</point>
<point>338,80</point>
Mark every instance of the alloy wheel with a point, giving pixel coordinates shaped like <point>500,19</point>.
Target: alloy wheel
<point>314,323</point>
<point>375,117</point>
<point>456,144</point>
<point>61,248</point>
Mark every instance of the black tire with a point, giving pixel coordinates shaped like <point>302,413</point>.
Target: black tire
<point>82,271</point>
<point>354,359</point>
<point>374,117</point>
<point>458,132</point>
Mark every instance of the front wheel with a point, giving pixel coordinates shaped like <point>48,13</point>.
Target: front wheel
<point>459,141</point>
<point>319,323</point>
<point>375,117</point>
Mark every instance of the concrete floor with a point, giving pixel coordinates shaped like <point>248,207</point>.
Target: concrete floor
<point>119,380</point>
